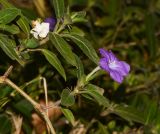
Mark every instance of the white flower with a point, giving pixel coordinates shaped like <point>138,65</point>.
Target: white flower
<point>40,29</point>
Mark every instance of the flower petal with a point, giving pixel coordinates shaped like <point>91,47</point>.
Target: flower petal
<point>112,57</point>
<point>126,67</point>
<point>51,21</point>
<point>120,66</point>
<point>37,28</point>
<point>35,34</point>
<point>108,54</point>
<point>103,64</point>
<point>104,53</point>
<point>44,30</point>
<point>116,76</point>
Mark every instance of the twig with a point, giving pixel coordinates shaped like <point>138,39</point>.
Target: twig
<point>6,74</point>
<point>37,106</point>
<point>46,96</point>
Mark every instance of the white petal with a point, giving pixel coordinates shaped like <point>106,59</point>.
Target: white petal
<point>40,30</point>
<point>44,30</point>
<point>35,34</point>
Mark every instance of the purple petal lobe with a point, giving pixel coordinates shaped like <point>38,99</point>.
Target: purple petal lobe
<point>116,76</point>
<point>126,67</point>
<point>112,57</point>
<point>103,64</point>
<point>104,53</point>
<point>52,22</point>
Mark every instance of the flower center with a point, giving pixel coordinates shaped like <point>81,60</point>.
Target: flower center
<point>112,64</point>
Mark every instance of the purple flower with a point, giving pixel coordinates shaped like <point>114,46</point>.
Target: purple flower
<point>52,23</point>
<point>116,68</point>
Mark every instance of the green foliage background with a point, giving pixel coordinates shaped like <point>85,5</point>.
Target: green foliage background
<point>130,28</point>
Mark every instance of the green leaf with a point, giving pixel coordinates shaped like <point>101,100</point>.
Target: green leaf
<point>23,23</point>
<point>9,14</point>
<point>31,43</point>
<point>59,8</point>
<point>129,113</point>
<point>76,30</point>
<point>67,98</point>
<point>13,29</point>
<point>78,17</point>
<point>24,107</point>
<point>63,47</point>
<point>69,115</point>
<point>151,112</point>
<point>92,91</point>
<point>80,69</point>
<point>54,61</point>
<point>8,47</point>
<point>84,45</point>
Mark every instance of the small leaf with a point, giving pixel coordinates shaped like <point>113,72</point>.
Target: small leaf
<point>59,8</point>
<point>84,45</point>
<point>62,46</point>
<point>13,29</point>
<point>92,91</point>
<point>78,17</point>
<point>69,115</point>
<point>67,98</point>
<point>129,113</point>
<point>54,61</point>
<point>31,43</point>
<point>8,47</point>
<point>9,14</point>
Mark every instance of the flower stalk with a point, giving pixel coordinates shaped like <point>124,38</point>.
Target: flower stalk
<point>92,73</point>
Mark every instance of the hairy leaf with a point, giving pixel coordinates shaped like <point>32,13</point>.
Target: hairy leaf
<point>64,49</point>
<point>68,114</point>
<point>9,48</point>
<point>92,91</point>
<point>59,7</point>
<point>129,113</point>
<point>9,14</point>
<point>67,98</point>
<point>54,61</point>
<point>13,29</point>
<point>84,45</point>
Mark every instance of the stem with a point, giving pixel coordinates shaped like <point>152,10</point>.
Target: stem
<point>61,28</point>
<point>57,25</point>
<point>27,97</point>
<point>45,92</point>
<point>91,73</point>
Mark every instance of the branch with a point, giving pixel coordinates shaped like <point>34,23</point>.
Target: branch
<point>37,106</point>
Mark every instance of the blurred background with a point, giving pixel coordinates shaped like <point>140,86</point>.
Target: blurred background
<point>131,29</point>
